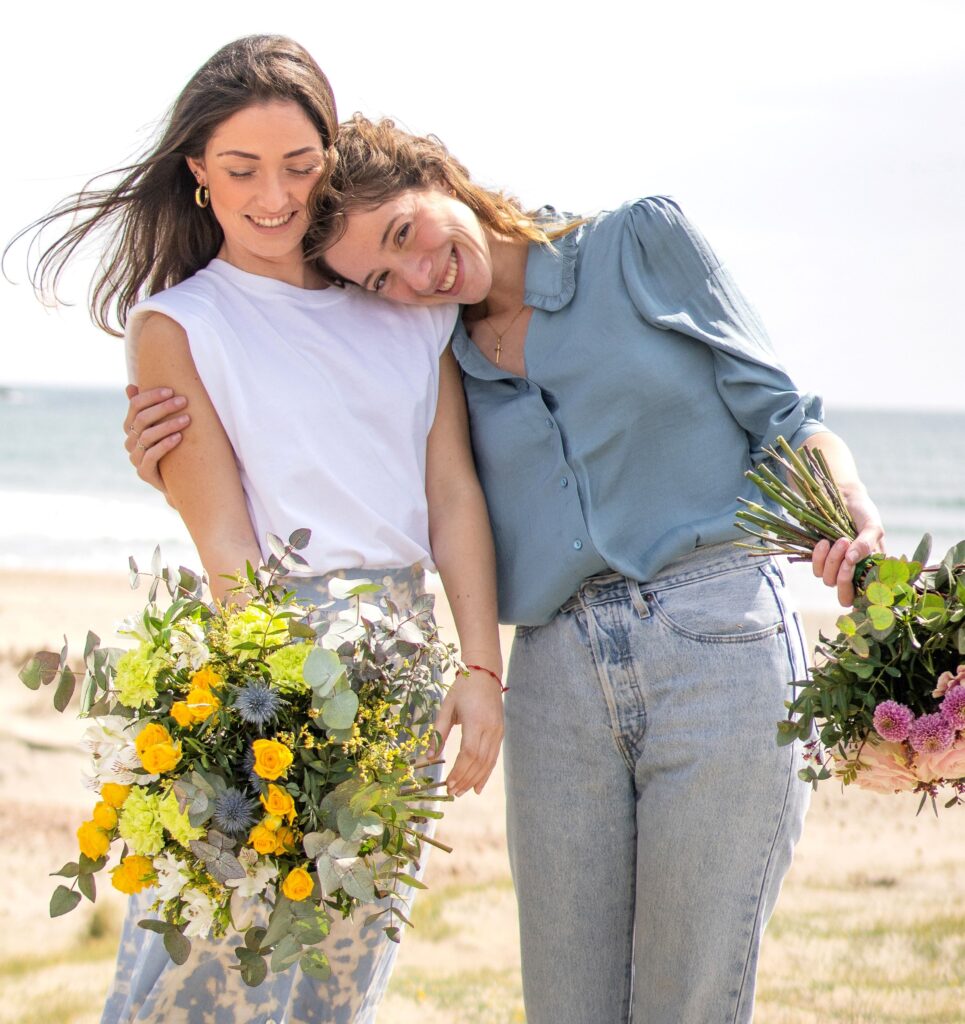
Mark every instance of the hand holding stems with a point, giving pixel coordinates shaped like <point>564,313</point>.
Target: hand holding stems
<point>836,525</point>
<point>835,563</point>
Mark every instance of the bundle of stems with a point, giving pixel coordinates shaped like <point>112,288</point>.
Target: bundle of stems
<point>809,495</point>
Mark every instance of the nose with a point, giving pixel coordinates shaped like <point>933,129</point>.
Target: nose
<point>417,274</point>
<point>273,194</point>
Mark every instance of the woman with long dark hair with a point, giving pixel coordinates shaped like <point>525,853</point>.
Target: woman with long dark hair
<point>312,407</point>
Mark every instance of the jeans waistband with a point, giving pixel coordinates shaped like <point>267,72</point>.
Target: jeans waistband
<point>695,565</point>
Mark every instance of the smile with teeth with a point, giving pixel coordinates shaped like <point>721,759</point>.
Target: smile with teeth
<point>450,279</point>
<point>272,222</point>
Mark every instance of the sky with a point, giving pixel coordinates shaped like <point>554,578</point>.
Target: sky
<point>819,147</point>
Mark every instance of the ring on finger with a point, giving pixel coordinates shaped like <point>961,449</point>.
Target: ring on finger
<point>141,446</point>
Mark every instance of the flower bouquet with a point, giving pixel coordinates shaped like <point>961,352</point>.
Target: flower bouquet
<point>887,694</point>
<point>256,763</point>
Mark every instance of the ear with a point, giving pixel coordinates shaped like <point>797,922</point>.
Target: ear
<point>196,167</point>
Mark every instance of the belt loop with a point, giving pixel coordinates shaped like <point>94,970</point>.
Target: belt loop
<point>640,605</point>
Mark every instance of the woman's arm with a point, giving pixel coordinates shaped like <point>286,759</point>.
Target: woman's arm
<point>462,547</point>
<point>834,563</point>
<point>199,475</point>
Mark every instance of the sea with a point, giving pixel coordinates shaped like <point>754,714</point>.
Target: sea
<point>69,498</point>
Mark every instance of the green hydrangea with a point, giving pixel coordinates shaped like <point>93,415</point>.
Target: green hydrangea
<point>137,672</point>
<point>177,822</point>
<point>287,664</point>
<point>140,822</point>
<point>253,625</point>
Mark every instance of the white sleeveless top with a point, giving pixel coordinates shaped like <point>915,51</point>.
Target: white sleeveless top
<point>327,398</point>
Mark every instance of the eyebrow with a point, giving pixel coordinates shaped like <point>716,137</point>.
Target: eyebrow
<point>385,238</point>
<point>254,156</point>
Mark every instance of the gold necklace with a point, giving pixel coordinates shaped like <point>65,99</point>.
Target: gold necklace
<point>505,331</point>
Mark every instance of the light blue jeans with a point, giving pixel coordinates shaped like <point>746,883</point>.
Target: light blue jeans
<point>651,814</point>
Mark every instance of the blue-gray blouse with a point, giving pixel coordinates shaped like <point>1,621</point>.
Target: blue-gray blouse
<point>650,387</point>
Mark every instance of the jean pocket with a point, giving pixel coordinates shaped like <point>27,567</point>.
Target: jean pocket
<point>736,606</point>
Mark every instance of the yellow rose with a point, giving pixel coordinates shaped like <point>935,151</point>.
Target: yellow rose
<point>161,757</point>
<point>94,841</point>
<point>133,875</point>
<point>182,714</point>
<point>262,839</point>
<point>298,884</point>
<point>104,816</point>
<point>271,758</point>
<point>206,679</point>
<point>279,802</point>
<point>114,794</point>
<point>202,703</point>
<point>285,840</point>
<point>149,736</point>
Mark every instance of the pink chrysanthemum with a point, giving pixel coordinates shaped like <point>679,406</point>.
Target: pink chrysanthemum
<point>930,734</point>
<point>949,679</point>
<point>893,720</point>
<point>953,707</point>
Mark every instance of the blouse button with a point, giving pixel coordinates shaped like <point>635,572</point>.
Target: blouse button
<point>549,421</point>
<point>563,481</point>
<point>577,545</point>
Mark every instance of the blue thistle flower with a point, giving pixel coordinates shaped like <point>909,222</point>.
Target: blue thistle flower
<point>234,812</point>
<point>248,768</point>
<point>257,704</point>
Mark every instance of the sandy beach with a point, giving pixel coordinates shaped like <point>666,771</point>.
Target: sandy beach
<point>870,929</point>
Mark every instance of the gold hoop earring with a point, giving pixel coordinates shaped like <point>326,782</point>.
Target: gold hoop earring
<point>202,196</point>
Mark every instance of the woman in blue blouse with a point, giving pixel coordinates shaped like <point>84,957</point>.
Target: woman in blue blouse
<point>618,386</point>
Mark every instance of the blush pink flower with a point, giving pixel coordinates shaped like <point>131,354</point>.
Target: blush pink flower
<point>953,707</point>
<point>930,734</point>
<point>948,765</point>
<point>883,767</point>
<point>893,720</point>
<point>949,679</point>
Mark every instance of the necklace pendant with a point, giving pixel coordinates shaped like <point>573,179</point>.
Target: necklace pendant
<point>499,349</point>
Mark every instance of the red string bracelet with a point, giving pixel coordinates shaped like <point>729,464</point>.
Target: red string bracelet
<point>489,672</point>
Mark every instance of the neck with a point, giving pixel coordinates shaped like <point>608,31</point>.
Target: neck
<point>509,275</point>
<point>290,269</point>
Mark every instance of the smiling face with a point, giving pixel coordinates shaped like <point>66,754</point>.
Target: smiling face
<point>423,247</point>
<point>260,165</point>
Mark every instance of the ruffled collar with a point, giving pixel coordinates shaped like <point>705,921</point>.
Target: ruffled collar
<point>550,285</point>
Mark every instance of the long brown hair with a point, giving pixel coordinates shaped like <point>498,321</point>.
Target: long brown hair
<point>158,236</point>
<point>377,160</point>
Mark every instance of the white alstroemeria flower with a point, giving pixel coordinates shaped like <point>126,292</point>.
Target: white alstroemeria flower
<point>110,741</point>
<point>171,876</point>
<point>199,910</point>
<point>187,642</point>
<point>133,626</point>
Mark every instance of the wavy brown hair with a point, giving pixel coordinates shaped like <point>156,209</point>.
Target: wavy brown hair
<point>158,236</point>
<point>377,160</point>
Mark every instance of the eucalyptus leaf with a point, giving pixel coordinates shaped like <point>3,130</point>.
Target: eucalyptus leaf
<point>923,551</point>
<point>359,881</point>
<point>299,538</point>
<point>339,711</point>
<point>322,669</point>
<point>87,886</point>
<point>151,925</point>
<point>286,953</point>
<point>882,618</point>
<point>279,921</point>
<point>314,964</point>
<point>63,901</point>
<point>177,945</point>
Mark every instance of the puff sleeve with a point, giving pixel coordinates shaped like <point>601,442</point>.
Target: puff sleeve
<point>677,283</point>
